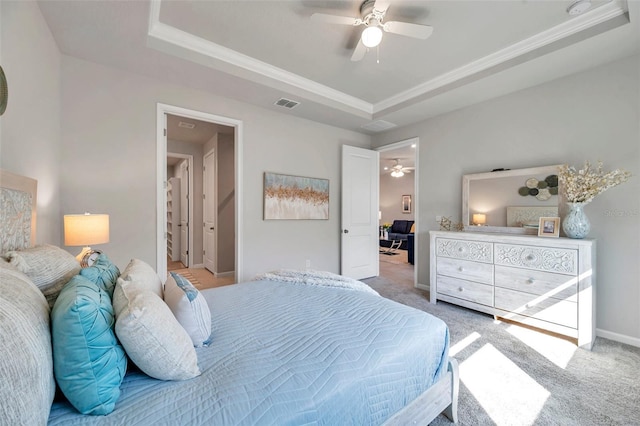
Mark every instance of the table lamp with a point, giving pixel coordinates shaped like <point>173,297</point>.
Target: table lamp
<point>84,230</point>
<point>479,219</point>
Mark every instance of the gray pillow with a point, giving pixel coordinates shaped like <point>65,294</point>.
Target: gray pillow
<point>49,267</point>
<point>26,364</point>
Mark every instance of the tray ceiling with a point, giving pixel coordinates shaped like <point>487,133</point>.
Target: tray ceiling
<point>260,51</point>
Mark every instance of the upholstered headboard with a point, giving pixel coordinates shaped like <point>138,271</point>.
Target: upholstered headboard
<point>17,211</point>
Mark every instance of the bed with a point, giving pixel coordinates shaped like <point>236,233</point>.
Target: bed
<point>281,353</point>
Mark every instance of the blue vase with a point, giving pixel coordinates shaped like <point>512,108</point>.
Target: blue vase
<point>576,223</point>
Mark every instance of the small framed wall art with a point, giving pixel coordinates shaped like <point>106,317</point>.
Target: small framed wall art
<point>549,227</point>
<point>406,204</point>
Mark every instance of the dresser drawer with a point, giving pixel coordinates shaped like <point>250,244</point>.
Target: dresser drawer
<point>474,271</point>
<point>548,309</point>
<point>468,250</point>
<point>539,283</point>
<point>563,261</point>
<point>467,290</point>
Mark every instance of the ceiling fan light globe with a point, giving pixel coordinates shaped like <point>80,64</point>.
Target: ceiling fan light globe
<point>371,36</point>
<point>397,173</point>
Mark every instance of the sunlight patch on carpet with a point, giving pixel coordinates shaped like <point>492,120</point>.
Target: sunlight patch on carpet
<point>462,344</point>
<point>507,394</point>
<point>556,350</point>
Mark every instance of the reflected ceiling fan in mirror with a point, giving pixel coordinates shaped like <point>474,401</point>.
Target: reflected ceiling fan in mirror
<point>372,17</point>
<point>398,170</point>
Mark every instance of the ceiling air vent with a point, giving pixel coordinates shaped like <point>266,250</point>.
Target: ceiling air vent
<point>286,103</point>
<point>186,125</point>
<point>378,126</point>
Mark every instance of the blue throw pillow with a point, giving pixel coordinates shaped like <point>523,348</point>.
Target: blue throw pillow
<point>103,273</point>
<point>88,361</point>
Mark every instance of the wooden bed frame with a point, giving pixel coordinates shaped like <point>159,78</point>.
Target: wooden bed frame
<point>442,397</point>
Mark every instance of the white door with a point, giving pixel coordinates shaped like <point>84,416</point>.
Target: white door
<point>184,213</point>
<point>360,193</point>
<point>209,211</point>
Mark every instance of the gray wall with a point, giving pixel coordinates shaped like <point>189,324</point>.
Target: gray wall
<point>391,191</point>
<point>593,115</point>
<point>30,133</point>
<point>226,204</point>
<point>118,116</point>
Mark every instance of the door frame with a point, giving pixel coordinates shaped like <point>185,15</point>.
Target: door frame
<point>189,159</point>
<point>415,204</point>
<point>161,181</point>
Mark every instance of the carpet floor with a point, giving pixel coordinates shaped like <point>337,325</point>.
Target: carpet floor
<point>510,375</point>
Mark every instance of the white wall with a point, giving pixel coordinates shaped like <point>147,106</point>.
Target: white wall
<point>593,115</point>
<point>30,132</point>
<point>391,191</point>
<point>109,133</point>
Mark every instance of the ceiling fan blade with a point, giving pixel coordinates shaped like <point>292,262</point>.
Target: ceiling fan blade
<point>335,19</point>
<point>359,52</point>
<point>381,5</point>
<point>410,30</point>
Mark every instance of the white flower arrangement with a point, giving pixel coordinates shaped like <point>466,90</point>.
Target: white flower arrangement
<point>582,186</point>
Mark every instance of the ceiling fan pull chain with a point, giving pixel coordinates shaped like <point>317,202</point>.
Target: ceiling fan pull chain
<point>377,54</point>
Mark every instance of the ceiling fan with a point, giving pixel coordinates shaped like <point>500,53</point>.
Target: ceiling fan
<point>398,170</point>
<point>373,13</point>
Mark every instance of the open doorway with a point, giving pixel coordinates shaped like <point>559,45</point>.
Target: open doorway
<point>179,210</point>
<point>398,210</point>
<point>203,202</point>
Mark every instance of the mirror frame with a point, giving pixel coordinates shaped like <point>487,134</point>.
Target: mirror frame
<point>467,179</point>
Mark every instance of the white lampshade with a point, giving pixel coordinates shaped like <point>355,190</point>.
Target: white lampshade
<point>371,36</point>
<point>86,229</point>
<point>479,219</point>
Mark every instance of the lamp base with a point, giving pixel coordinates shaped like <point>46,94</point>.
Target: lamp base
<point>87,256</point>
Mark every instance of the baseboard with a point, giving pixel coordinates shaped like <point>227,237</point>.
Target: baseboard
<point>424,287</point>
<point>622,338</point>
<point>224,274</point>
<point>199,265</point>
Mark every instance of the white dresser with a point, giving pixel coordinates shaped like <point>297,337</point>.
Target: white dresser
<point>548,283</point>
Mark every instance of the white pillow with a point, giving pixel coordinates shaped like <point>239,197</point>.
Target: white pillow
<point>189,307</point>
<point>154,340</point>
<point>138,276</point>
<point>143,276</point>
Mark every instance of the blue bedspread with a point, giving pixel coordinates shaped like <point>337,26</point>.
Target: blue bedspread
<point>286,354</point>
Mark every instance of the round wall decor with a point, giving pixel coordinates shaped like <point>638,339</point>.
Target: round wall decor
<point>4,92</point>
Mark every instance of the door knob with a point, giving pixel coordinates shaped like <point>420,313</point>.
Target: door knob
<point>346,231</point>
<point>211,228</point>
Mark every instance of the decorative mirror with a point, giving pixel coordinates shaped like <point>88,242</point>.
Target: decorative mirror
<point>509,200</point>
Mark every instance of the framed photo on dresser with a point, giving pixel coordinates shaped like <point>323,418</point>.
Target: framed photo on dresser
<point>549,227</point>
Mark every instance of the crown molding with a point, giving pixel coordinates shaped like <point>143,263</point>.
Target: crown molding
<point>559,32</point>
<point>185,40</point>
<point>198,45</point>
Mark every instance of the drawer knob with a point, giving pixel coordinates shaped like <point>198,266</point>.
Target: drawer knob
<point>460,289</point>
<point>528,306</point>
<point>529,281</point>
<point>530,257</point>
<point>460,269</point>
<point>459,248</point>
